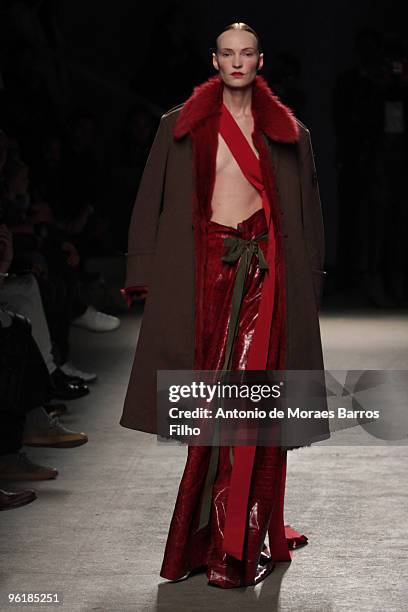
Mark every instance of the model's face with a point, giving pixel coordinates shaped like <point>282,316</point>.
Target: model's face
<point>237,58</point>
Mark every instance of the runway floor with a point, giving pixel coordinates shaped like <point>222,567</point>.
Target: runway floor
<point>96,534</point>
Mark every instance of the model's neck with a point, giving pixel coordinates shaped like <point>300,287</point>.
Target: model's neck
<point>238,101</point>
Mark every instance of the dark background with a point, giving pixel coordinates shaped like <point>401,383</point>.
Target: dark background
<point>104,56</point>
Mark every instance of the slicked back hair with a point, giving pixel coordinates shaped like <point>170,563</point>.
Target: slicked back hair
<point>239,25</point>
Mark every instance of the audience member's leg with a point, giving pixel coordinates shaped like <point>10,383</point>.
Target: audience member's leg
<point>22,295</point>
<point>57,311</point>
<point>23,386</point>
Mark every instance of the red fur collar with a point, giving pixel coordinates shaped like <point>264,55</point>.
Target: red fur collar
<point>271,116</point>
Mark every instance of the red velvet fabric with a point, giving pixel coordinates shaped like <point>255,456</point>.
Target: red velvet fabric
<point>186,547</point>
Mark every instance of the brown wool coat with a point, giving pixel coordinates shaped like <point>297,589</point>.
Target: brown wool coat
<point>161,251</point>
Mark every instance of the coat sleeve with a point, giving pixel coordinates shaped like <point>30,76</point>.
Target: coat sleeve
<point>312,214</point>
<point>146,212</point>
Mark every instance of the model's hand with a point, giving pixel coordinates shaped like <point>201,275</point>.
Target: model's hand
<point>134,294</point>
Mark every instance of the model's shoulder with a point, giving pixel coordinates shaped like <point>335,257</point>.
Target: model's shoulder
<point>303,129</point>
<point>304,141</point>
<point>169,118</point>
<point>172,113</point>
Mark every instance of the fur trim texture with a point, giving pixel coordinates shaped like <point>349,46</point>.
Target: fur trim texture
<point>271,116</point>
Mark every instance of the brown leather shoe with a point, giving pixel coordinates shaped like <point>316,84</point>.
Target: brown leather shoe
<point>17,466</point>
<point>16,498</point>
<point>54,435</point>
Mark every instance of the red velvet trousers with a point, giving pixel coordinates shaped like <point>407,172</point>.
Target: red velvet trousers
<point>188,548</point>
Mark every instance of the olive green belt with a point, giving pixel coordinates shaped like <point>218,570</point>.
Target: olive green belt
<point>242,250</point>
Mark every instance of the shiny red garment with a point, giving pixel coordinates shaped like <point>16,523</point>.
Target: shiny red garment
<point>188,548</point>
<point>267,350</point>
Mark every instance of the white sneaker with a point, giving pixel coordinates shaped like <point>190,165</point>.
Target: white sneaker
<point>93,320</point>
<point>70,370</point>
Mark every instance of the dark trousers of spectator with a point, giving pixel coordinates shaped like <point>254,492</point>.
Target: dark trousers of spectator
<point>62,303</point>
<point>24,381</point>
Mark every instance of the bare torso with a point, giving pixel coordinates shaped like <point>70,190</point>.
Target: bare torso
<point>234,199</point>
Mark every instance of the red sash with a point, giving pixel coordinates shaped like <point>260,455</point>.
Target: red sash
<point>237,507</point>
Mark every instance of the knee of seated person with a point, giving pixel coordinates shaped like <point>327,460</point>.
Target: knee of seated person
<point>30,282</point>
<point>21,304</point>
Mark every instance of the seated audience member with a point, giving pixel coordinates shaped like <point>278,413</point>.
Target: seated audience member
<point>31,385</point>
<point>25,385</point>
<point>20,294</point>
<point>42,248</point>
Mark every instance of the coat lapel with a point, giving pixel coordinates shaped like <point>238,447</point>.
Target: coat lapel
<point>274,150</point>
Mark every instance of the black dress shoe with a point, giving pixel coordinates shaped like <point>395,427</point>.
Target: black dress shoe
<point>65,388</point>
